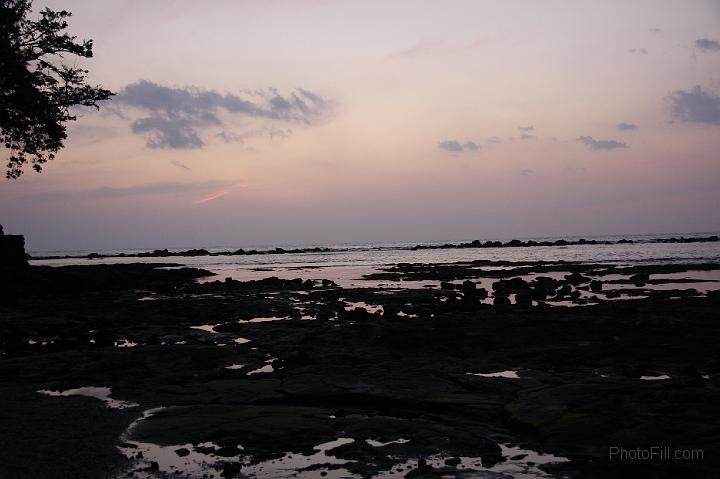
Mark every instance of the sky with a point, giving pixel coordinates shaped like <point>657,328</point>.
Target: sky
<point>241,123</point>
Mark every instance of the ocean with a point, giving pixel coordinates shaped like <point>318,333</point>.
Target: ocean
<point>347,263</point>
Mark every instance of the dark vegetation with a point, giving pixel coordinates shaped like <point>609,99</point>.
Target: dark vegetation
<point>39,84</point>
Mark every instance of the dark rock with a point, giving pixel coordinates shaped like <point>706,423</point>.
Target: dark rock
<point>563,291</point>
<point>182,452</point>
<point>596,286</point>
<point>640,279</point>
<point>355,314</point>
<point>452,461</point>
<point>104,339</point>
<point>325,314</point>
<point>390,310</point>
<point>445,286</point>
<point>12,252</point>
<point>546,282</point>
<point>422,469</point>
<point>576,278</point>
<point>506,287</point>
<point>501,301</point>
<point>523,299</point>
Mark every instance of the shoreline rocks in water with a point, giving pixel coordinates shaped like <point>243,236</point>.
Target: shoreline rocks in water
<point>560,242</point>
<point>165,253</point>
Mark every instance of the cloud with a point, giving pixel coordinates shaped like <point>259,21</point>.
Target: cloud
<point>436,47</point>
<point>695,106</point>
<point>527,172</point>
<point>525,132</point>
<point>271,133</point>
<point>179,133</point>
<point>147,189</point>
<point>450,145</point>
<point>641,51</point>
<point>181,165</point>
<point>456,146</point>
<point>174,117</point>
<point>210,197</point>
<point>419,49</point>
<point>654,30</point>
<point>600,144</point>
<point>707,45</point>
<point>626,126</point>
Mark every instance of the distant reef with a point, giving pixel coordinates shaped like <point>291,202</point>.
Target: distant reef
<point>561,242</point>
<point>165,253</point>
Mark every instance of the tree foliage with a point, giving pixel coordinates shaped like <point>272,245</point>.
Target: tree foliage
<point>37,87</point>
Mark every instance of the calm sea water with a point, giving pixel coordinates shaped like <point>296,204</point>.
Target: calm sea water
<point>348,262</point>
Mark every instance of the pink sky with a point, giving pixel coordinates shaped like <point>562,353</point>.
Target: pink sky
<point>296,122</point>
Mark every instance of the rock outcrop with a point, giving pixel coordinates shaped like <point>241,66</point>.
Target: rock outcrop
<point>12,251</point>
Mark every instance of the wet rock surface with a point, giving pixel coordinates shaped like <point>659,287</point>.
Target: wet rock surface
<point>281,366</point>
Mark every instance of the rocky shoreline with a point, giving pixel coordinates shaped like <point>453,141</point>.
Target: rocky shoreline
<point>446,379</point>
<point>165,253</point>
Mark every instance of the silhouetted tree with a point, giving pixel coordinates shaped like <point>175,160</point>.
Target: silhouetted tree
<point>37,89</point>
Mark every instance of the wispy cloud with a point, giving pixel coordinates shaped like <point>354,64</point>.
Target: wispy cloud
<point>219,194</point>
<point>437,47</point>
<point>695,106</point>
<point>641,51</point>
<point>421,48</point>
<point>525,132</point>
<point>626,126</point>
<point>707,45</point>
<point>173,118</point>
<point>600,144</point>
<point>142,190</point>
<point>455,146</point>
<point>180,165</point>
<point>271,133</point>
<point>210,197</point>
